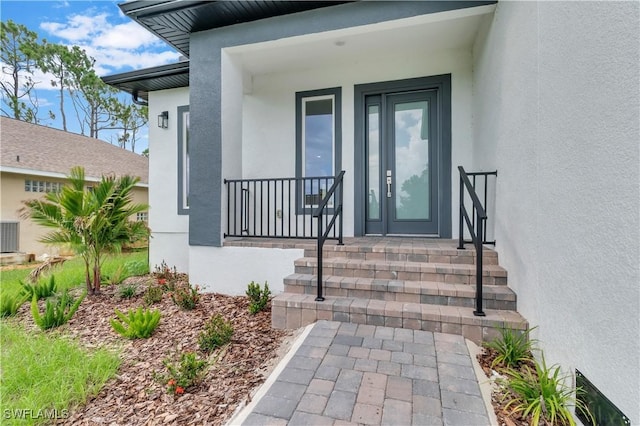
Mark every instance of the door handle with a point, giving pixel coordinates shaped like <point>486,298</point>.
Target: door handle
<point>388,186</point>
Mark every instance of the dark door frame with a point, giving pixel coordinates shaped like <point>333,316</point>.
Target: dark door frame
<point>442,84</point>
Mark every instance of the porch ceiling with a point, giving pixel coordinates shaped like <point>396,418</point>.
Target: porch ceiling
<point>447,30</point>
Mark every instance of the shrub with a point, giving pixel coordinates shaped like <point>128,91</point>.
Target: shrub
<point>164,272</point>
<point>136,268</point>
<point>40,290</point>
<point>542,393</point>
<point>217,332</point>
<point>138,324</point>
<point>57,312</point>
<point>258,297</point>
<point>166,277</point>
<point>116,277</point>
<point>188,372</point>
<point>10,303</point>
<point>127,291</point>
<point>513,347</point>
<point>186,296</point>
<point>152,294</point>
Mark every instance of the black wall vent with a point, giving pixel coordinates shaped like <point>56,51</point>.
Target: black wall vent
<point>603,410</point>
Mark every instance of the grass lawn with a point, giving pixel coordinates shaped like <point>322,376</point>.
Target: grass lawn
<point>45,373</point>
<point>71,274</point>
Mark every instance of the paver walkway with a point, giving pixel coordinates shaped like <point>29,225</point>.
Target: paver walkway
<point>345,373</point>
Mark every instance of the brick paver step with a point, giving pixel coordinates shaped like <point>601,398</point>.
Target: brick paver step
<point>406,271</point>
<point>405,254</point>
<point>429,292</point>
<point>296,310</point>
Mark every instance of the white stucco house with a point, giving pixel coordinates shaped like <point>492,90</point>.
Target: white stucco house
<point>398,95</point>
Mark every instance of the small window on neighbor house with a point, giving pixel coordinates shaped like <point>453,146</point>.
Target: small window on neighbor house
<point>41,186</point>
<point>183,160</point>
<point>142,217</point>
<point>318,142</point>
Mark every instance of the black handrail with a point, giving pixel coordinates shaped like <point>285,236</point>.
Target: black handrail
<point>276,207</point>
<point>322,235</point>
<point>477,225</point>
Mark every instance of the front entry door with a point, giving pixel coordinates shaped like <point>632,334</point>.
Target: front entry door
<point>402,177</point>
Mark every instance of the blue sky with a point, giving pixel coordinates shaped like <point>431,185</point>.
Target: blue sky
<point>115,42</point>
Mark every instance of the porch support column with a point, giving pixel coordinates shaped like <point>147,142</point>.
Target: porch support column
<point>205,144</point>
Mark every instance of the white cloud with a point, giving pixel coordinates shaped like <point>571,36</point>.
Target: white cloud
<point>61,5</point>
<point>116,46</point>
<point>126,36</point>
<point>78,28</point>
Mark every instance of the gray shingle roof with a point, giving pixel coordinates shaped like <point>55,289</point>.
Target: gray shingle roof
<point>39,148</point>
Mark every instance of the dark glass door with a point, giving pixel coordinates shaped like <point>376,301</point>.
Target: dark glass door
<point>402,171</point>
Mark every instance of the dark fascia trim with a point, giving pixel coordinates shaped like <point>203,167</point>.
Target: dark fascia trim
<point>140,9</point>
<point>154,7</point>
<point>133,82</point>
<point>147,73</point>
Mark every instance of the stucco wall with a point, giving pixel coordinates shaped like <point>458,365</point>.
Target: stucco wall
<point>169,230</point>
<point>228,270</point>
<point>12,190</point>
<point>269,111</point>
<point>556,111</point>
<point>13,194</point>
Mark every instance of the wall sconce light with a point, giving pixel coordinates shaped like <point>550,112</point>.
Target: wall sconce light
<point>163,120</point>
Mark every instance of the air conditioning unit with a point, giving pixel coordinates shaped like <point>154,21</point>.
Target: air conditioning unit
<point>9,237</point>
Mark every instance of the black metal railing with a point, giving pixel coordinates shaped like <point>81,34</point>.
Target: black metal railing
<point>476,224</point>
<point>286,208</point>
<point>277,207</point>
<point>324,233</point>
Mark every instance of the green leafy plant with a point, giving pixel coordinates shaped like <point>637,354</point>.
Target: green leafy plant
<point>56,312</point>
<point>258,297</point>
<point>136,268</point>
<point>153,294</point>
<point>513,347</point>
<point>94,223</point>
<point>40,290</point>
<point>217,332</point>
<point>127,291</point>
<point>136,324</point>
<point>10,303</point>
<point>186,296</point>
<point>116,277</point>
<point>185,373</point>
<point>541,392</point>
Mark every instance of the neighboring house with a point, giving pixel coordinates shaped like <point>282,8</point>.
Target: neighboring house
<point>546,93</point>
<point>37,159</point>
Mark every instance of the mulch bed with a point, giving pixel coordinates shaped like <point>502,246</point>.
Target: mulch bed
<point>136,396</point>
<point>505,416</point>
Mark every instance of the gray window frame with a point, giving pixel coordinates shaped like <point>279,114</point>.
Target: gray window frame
<point>336,92</point>
<point>182,210</point>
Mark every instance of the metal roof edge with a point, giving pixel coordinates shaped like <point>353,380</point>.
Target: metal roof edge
<point>145,73</point>
<point>138,8</point>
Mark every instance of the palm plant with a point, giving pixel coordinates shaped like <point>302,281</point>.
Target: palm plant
<point>93,222</point>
